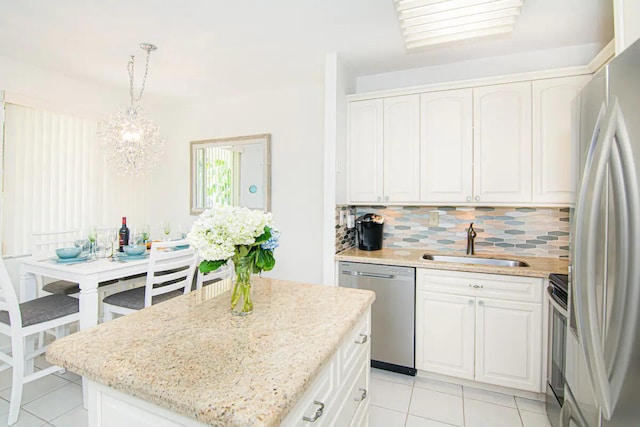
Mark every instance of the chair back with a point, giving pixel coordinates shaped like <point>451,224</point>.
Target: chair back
<point>9,299</point>
<point>220,279</point>
<point>48,241</point>
<point>171,267</point>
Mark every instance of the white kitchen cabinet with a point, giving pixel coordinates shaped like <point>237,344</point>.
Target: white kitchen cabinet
<point>446,329</point>
<point>553,179</point>
<point>401,153</point>
<point>446,146</point>
<point>482,327</point>
<point>508,343</point>
<point>364,178</point>
<point>502,143</point>
<point>384,150</point>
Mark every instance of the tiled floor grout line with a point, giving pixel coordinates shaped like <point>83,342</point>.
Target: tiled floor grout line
<point>406,416</point>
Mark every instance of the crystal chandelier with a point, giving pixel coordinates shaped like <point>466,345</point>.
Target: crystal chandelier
<point>131,141</point>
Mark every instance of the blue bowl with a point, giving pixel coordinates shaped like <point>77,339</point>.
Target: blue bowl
<point>134,249</point>
<point>66,253</point>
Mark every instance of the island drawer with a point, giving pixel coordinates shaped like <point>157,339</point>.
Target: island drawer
<point>317,402</point>
<point>353,346</point>
<point>497,286</point>
<point>356,395</point>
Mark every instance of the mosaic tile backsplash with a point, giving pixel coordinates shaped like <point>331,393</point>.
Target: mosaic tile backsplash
<point>345,238</point>
<point>502,230</point>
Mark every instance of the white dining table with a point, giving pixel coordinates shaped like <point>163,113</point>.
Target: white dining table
<point>88,274</point>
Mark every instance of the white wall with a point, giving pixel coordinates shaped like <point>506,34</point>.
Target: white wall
<point>294,118</point>
<point>478,68</point>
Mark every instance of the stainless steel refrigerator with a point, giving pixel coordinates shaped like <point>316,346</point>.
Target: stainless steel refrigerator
<point>603,340</point>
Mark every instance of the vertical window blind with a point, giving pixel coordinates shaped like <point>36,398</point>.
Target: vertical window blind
<point>53,178</point>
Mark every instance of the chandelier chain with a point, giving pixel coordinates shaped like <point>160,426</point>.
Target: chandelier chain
<point>130,69</point>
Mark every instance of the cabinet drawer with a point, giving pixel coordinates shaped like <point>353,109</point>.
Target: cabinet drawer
<point>357,394</point>
<point>513,288</point>
<point>322,391</point>
<point>353,346</point>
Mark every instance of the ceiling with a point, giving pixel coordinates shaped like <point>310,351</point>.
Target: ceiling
<point>213,47</point>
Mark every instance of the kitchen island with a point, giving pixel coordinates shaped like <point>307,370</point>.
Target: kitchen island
<point>302,353</point>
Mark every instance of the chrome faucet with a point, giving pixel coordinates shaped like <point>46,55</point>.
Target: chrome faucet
<point>471,235</point>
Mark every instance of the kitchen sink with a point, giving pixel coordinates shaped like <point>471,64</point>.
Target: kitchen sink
<point>476,260</point>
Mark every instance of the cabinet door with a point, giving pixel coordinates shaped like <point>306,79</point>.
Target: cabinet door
<point>509,344</point>
<point>402,149</point>
<point>553,168</point>
<point>446,146</point>
<point>502,143</point>
<point>445,334</point>
<point>364,158</point>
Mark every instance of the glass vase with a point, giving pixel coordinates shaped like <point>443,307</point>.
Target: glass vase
<point>241,303</point>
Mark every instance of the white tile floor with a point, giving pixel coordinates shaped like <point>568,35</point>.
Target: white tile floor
<point>54,400</point>
<point>398,401</point>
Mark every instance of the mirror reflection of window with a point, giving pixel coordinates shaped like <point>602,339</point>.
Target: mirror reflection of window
<point>231,171</point>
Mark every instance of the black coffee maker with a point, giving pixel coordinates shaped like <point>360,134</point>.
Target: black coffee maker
<point>369,228</point>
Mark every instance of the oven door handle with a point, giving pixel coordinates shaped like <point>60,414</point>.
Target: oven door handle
<point>555,304</point>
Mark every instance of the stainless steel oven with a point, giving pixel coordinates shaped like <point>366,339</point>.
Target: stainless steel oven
<point>558,291</point>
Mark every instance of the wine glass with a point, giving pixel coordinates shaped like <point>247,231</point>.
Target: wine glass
<point>145,230</point>
<point>165,227</point>
<point>80,241</point>
<point>137,237</point>
<point>92,235</point>
<point>112,236</point>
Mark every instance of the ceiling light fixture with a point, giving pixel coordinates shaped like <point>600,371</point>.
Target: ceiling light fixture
<point>431,22</point>
<point>131,141</point>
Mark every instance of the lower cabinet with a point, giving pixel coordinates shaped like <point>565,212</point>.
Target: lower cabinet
<point>481,327</point>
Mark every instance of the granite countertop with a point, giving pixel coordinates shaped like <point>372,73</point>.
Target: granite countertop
<point>538,266</point>
<point>192,356</point>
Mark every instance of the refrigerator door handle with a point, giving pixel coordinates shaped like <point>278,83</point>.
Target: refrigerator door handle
<point>569,412</point>
<point>610,155</point>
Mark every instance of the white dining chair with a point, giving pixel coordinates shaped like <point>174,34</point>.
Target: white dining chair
<point>170,274</point>
<point>45,243</point>
<point>21,323</point>
<point>218,281</point>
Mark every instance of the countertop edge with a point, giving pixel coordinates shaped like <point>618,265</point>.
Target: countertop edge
<point>538,266</point>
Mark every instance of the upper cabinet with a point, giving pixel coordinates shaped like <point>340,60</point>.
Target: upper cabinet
<point>384,150</point>
<point>553,179</point>
<point>401,148</point>
<point>502,143</point>
<point>364,176</point>
<point>446,146</point>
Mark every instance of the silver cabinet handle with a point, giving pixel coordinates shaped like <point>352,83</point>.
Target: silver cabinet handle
<point>317,414</point>
<point>379,198</point>
<point>480,302</point>
<point>386,198</point>
<point>476,286</point>
<point>470,302</point>
<point>477,198</point>
<point>362,339</point>
<point>363,396</point>
<point>468,198</point>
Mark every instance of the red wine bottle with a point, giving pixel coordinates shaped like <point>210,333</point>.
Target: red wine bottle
<point>123,234</point>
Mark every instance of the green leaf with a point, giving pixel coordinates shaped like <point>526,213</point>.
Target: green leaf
<point>243,251</point>
<point>265,260</point>
<point>264,236</point>
<point>207,266</point>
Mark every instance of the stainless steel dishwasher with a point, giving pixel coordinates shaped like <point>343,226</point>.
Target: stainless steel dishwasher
<point>392,313</point>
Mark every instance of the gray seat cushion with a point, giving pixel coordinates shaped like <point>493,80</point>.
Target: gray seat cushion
<point>44,309</point>
<point>64,287</point>
<point>134,298</point>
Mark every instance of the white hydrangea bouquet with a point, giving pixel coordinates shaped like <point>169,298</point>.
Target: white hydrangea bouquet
<point>245,236</point>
